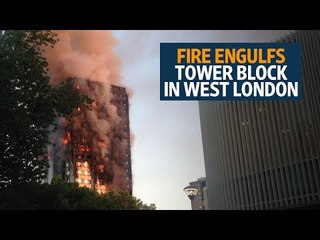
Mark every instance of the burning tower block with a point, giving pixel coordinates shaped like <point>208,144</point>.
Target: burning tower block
<point>95,148</point>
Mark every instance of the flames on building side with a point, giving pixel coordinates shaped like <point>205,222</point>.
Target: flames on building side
<point>92,148</point>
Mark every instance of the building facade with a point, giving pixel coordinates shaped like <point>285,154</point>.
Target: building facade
<point>120,137</point>
<point>95,151</point>
<point>266,154</point>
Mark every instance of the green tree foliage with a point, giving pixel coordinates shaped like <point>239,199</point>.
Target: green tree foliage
<point>28,105</point>
<point>66,196</point>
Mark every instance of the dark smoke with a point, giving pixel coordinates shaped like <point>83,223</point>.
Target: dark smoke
<point>86,60</point>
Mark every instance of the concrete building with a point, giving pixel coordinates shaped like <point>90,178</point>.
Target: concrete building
<point>197,193</point>
<point>99,162</point>
<point>266,154</point>
<point>120,139</point>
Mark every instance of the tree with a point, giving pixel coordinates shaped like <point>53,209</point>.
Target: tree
<point>28,105</point>
<point>66,196</point>
<point>152,206</point>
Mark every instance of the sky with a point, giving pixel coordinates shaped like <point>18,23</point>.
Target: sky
<point>167,150</point>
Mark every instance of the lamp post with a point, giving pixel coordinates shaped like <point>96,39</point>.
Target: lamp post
<point>191,192</point>
<point>196,193</point>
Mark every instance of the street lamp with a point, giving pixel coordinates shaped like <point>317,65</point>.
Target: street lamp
<point>191,192</point>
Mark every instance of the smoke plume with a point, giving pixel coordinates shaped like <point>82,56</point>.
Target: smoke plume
<point>84,54</point>
<point>84,58</point>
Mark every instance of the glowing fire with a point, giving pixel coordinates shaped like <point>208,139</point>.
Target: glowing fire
<point>101,188</point>
<point>102,143</point>
<point>67,138</point>
<point>84,176</point>
<point>84,148</point>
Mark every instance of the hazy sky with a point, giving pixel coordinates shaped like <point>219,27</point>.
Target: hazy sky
<point>167,151</point>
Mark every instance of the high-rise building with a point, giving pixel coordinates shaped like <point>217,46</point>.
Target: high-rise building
<point>266,154</point>
<point>197,193</point>
<point>120,138</point>
<point>96,151</point>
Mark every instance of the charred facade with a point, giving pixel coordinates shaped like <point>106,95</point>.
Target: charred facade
<point>120,138</point>
<point>95,148</point>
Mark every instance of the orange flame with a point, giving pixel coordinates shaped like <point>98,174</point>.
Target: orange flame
<point>67,138</point>
<point>102,143</point>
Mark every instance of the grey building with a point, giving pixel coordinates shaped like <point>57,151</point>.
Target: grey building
<point>266,154</point>
<point>120,136</point>
<point>197,193</point>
